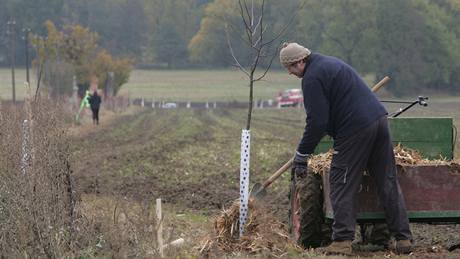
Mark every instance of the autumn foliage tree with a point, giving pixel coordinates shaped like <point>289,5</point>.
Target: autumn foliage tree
<point>105,63</point>
<point>206,47</point>
<point>73,51</point>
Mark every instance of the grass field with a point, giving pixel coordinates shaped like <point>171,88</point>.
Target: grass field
<point>6,86</point>
<point>182,85</point>
<point>189,85</point>
<point>204,85</point>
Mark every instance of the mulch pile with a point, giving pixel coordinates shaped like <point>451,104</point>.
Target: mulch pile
<point>404,156</point>
<point>263,234</point>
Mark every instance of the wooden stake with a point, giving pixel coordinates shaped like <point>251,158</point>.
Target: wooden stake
<point>175,243</point>
<point>26,132</point>
<point>160,228</point>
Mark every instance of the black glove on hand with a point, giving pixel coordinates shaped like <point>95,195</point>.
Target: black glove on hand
<point>300,165</point>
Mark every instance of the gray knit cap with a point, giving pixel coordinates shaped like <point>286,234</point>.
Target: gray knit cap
<point>292,52</point>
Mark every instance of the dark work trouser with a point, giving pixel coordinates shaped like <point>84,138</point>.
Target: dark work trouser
<point>95,114</point>
<point>370,149</point>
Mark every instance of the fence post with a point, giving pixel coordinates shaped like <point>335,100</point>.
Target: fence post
<point>26,132</point>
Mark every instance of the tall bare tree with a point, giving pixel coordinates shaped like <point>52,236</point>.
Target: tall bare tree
<point>260,40</point>
<point>262,49</point>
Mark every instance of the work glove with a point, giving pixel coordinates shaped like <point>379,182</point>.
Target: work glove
<point>300,165</point>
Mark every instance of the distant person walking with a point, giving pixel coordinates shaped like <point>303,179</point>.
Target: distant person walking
<point>95,103</point>
<point>95,100</point>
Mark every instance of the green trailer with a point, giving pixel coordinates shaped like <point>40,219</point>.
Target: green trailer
<point>430,191</point>
<point>432,137</point>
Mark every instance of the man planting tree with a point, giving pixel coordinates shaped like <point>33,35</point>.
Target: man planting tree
<point>339,103</point>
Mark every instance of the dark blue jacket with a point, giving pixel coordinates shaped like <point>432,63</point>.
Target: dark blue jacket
<point>337,101</point>
<point>95,101</point>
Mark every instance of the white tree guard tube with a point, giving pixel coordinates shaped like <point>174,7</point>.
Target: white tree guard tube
<point>244,178</point>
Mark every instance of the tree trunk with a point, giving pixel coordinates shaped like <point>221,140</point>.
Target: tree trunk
<point>251,98</point>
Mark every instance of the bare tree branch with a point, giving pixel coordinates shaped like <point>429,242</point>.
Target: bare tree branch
<point>255,63</point>
<point>252,14</point>
<point>265,55</point>
<point>268,68</point>
<point>254,31</point>
<point>262,8</point>
<point>246,26</point>
<point>259,50</point>
<point>247,13</point>
<point>238,34</point>
<point>233,54</point>
<point>257,42</point>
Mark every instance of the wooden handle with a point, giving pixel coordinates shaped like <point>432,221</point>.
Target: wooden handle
<point>380,84</point>
<point>278,173</point>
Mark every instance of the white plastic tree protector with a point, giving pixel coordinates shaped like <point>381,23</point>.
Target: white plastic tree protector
<point>244,178</point>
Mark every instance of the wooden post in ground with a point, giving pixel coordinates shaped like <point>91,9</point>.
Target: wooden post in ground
<point>159,228</point>
<point>26,132</point>
<point>175,243</point>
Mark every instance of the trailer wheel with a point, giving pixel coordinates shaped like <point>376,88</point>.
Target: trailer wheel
<point>306,217</point>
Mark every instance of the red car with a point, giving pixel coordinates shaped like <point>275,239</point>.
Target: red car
<point>290,97</point>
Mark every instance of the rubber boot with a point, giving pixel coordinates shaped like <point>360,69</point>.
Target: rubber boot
<point>403,246</point>
<point>338,248</point>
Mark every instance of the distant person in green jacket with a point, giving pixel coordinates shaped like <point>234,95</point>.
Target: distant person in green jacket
<point>84,103</point>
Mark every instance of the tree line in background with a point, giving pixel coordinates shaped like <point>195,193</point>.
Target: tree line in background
<point>415,42</point>
<point>74,52</point>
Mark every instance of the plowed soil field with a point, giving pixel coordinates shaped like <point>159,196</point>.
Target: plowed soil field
<point>190,159</point>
